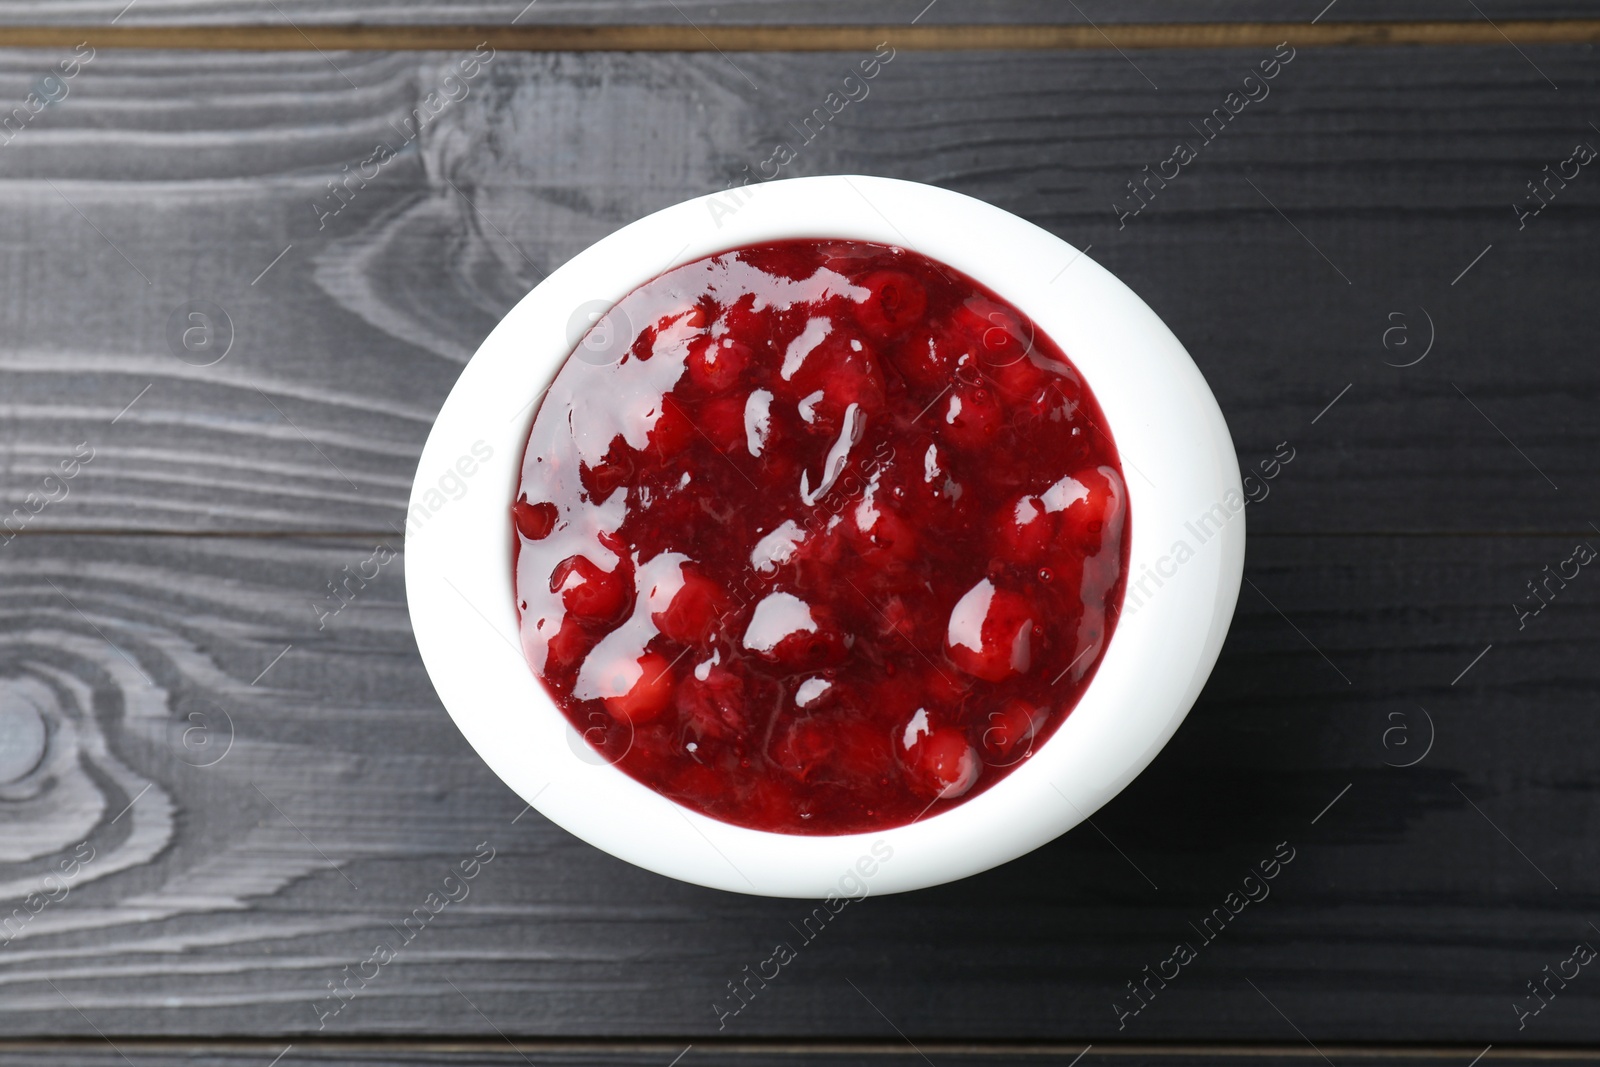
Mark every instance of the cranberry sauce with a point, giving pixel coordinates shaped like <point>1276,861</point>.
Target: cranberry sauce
<point>818,537</point>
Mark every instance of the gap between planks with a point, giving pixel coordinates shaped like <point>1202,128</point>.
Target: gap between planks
<point>780,1047</point>
<point>689,38</point>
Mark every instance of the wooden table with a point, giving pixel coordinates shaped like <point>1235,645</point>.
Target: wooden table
<point>215,388</point>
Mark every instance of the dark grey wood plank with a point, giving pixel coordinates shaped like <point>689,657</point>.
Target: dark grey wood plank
<point>230,885</point>
<point>169,179</point>
<point>713,1054</point>
<point>772,12</point>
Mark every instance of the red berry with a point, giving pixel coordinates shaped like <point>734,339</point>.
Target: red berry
<point>803,746</point>
<point>587,591</point>
<point>852,373</point>
<point>928,358</point>
<point>694,611</point>
<point>1025,531</point>
<point>565,649</point>
<point>990,634</point>
<point>670,332</point>
<point>638,690</point>
<point>925,474</point>
<point>844,370</point>
<point>787,631</point>
<point>613,471</point>
<point>895,302</point>
<point>1089,632</point>
<point>672,431</point>
<point>1010,731</point>
<point>714,706</point>
<point>943,763</point>
<point>1000,337</point>
<point>715,363</point>
<point>643,347</point>
<point>1018,381</point>
<point>534,521</point>
<point>881,535</point>
<point>745,323</point>
<point>816,559</point>
<point>1056,401</point>
<point>897,618</point>
<point>970,418</point>
<point>1092,504</point>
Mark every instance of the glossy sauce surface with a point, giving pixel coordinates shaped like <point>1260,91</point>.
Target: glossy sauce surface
<point>818,537</point>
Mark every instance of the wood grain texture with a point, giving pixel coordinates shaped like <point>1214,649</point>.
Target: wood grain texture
<point>1281,256</point>
<point>755,12</point>
<point>96,1053</point>
<point>691,37</point>
<point>266,801</point>
<point>234,889</point>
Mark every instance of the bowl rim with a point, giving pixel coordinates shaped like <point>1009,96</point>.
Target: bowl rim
<point>1168,430</point>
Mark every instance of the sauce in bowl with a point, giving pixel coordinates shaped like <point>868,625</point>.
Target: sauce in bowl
<point>818,537</point>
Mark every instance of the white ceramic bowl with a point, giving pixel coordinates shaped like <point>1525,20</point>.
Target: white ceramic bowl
<point>1186,557</point>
